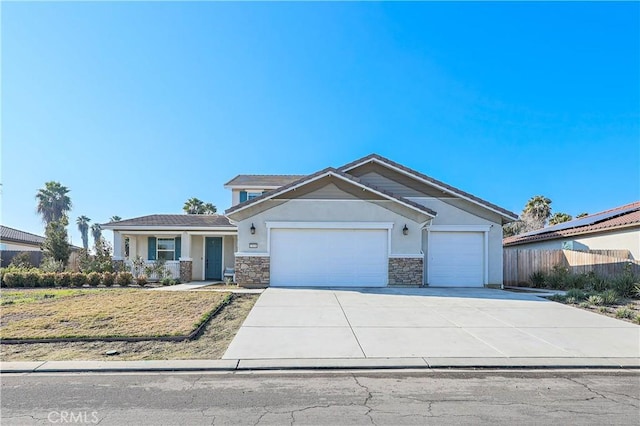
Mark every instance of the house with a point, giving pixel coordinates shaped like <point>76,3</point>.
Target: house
<point>12,239</point>
<point>614,229</point>
<point>369,223</point>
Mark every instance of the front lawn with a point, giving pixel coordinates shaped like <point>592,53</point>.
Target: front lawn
<point>51,313</point>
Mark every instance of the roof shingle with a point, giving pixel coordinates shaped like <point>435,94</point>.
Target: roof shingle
<point>173,220</point>
<point>263,180</point>
<point>15,235</point>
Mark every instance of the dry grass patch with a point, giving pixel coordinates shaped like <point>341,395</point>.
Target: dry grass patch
<point>109,313</point>
<point>212,344</point>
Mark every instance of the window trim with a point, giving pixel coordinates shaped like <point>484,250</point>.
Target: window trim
<point>253,194</point>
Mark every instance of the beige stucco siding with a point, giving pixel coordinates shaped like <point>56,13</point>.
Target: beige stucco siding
<point>624,239</point>
<point>229,248</point>
<point>330,211</point>
<point>6,245</point>
<point>197,245</point>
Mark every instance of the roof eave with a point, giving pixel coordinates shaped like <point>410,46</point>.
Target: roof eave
<point>543,237</point>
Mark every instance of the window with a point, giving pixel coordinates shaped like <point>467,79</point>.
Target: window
<point>252,195</point>
<point>166,249</point>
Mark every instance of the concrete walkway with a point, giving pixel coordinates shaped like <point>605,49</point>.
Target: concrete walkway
<point>438,325</point>
<point>202,285</point>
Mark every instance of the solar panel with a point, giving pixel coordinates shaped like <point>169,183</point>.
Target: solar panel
<point>583,221</point>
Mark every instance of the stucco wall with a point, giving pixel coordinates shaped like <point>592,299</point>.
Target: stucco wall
<point>6,245</point>
<point>197,256</point>
<point>329,211</point>
<point>616,240</point>
<point>229,247</point>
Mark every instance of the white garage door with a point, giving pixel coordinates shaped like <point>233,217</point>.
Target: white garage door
<point>456,259</point>
<point>329,257</point>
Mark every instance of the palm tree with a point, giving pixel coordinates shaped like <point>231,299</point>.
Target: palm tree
<point>53,202</point>
<point>583,214</point>
<point>557,218</point>
<point>83,227</point>
<point>536,212</point>
<point>115,218</point>
<point>209,208</point>
<point>96,232</point>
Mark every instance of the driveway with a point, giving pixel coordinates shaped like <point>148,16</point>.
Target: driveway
<point>426,322</point>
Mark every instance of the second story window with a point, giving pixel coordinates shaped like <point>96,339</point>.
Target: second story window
<point>252,195</point>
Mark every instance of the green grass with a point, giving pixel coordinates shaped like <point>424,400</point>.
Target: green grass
<point>11,297</point>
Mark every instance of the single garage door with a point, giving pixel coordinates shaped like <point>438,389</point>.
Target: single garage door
<point>329,257</point>
<point>456,259</point>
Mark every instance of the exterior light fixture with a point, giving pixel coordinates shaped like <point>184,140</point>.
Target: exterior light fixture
<point>252,229</point>
<point>405,230</point>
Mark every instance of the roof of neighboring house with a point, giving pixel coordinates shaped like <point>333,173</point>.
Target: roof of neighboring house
<point>17,236</point>
<point>339,174</point>
<point>172,220</point>
<point>262,181</point>
<point>381,159</point>
<point>620,217</point>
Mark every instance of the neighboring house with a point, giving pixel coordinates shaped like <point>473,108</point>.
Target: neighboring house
<point>614,229</point>
<point>12,239</point>
<point>369,223</point>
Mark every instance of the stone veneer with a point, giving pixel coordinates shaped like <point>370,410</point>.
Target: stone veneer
<point>405,270</point>
<point>186,271</point>
<point>252,271</point>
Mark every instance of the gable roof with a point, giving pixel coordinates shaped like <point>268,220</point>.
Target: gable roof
<point>262,181</point>
<point>617,218</point>
<point>17,236</point>
<point>173,221</point>
<point>330,171</point>
<point>510,216</point>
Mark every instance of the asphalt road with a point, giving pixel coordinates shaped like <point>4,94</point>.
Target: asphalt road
<point>362,398</point>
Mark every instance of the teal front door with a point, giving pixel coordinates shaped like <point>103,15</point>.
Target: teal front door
<point>213,258</point>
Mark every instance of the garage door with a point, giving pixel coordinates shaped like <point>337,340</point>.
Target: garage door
<point>329,257</point>
<point>456,259</point>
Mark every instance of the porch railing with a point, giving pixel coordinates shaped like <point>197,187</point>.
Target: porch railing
<point>171,269</point>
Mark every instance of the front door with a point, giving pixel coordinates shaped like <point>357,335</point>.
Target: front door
<point>213,258</point>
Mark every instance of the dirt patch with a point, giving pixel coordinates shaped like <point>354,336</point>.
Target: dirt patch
<point>211,344</point>
<point>632,307</point>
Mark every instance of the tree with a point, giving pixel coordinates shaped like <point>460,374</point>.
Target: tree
<point>96,233</point>
<point>582,215</point>
<point>83,227</point>
<point>557,218</point>
<point>56,242</point>
<point>536,212</point>
<point>53,202</point>
<point>115,219</point>
<point>196,206</point>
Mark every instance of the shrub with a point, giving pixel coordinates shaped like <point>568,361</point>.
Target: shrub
<point>141,280</point>
<point>625,284</point>
<point>22,260</point>
<point>596,300</point>
<point>51,265</point>
<point>31,278</point>
<point>584,304</point>
<point>570,300</point>
<point>594,282</point>
<point>124,278</point>
<point>78,279</point>
<point>538,279</point>
<point>609,297</point>
<point>558,298</point>
<point>47,279</point>
<point>577,294</point>
<point>166,281</point>
<point>108,278</point>
<point>93,279</point>
<point>12,279</point>
<point>625,313</point>
<point>558,278</point>
<point>63,279</point>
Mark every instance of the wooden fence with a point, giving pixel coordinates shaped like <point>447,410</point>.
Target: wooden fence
<point>520,264</point>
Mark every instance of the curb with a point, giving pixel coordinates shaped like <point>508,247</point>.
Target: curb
<point>327,364</point>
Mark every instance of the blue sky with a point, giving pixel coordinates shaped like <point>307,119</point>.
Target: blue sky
<point>137,107</point>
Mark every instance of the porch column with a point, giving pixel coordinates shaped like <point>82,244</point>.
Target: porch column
<point>186,263</point>
<point>133,247</point>
<point>117,258</point>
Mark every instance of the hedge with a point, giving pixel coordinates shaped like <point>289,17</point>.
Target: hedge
<point>31,278</point>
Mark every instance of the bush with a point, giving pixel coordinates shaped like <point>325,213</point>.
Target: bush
<point>22,260</point>
<point>609,297</point>
<point>625,284</point>
<point>577,294</point>
<point>124,279</point>
<point>31,278</point>
<point>594,282</point>
<point>48,279</point>
<point>63,279</point>
<point>93,279</point>
<point>12,279</point>
<point>625,313</point>
<point>108,278</point>
<point>596,300</point>
<point>558,278</point>
<point>141,280</point>
<point>166,281</point>
<point>538,279</point>
<point>78,279</point>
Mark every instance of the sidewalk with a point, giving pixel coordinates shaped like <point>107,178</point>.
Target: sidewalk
<point>315,364</point>
<point>202,285</point>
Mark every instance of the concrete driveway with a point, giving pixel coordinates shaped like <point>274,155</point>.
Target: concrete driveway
<point>430,323</point>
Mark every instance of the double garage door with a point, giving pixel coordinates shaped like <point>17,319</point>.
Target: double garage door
<point>329,257</point>
<point>359,258</point>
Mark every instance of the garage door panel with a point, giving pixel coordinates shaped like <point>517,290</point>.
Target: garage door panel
<point>456,259</point>
<point>329,257</point>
